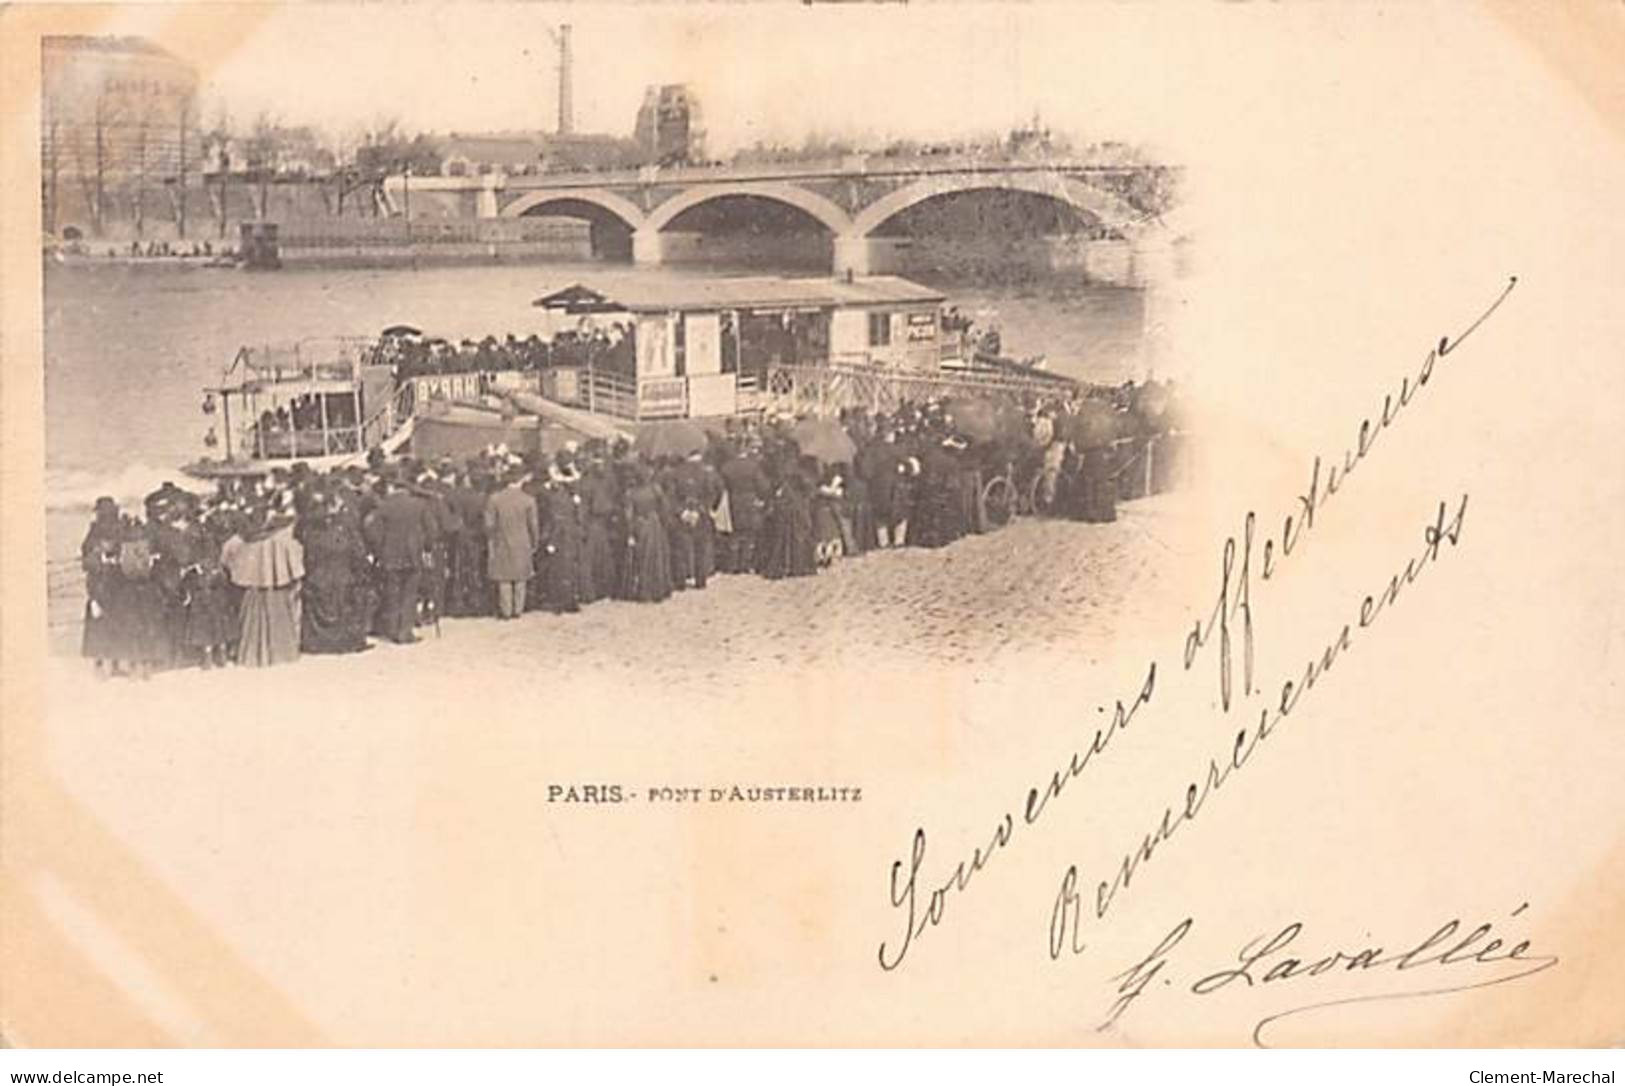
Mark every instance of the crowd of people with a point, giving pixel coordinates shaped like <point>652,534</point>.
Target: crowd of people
<point>299,561</point>
<point>77,246</point>
<point>604,347</point>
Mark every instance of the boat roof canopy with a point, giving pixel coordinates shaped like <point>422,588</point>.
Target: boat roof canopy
<point>307,363</point>
<point>745,292</point>
<point>289,383</point>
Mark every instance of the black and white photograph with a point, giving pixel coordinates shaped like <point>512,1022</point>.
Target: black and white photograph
<point>813,525</point>
<point>730,363</point>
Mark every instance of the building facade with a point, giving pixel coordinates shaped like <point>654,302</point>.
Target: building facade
<point>668,131</point>
<point>118,134</point>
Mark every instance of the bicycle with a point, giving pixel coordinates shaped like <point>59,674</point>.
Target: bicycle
<point>999,500</point>
<point>1041,493</point>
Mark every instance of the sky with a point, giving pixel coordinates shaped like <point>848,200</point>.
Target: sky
<point>773,72</point>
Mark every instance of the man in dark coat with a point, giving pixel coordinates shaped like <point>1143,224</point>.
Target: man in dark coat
<point>398,531</point>
<point>748,488</point>
<point>468,592</point>
<point>705,483</point>
<point>602,529</point>
<point>435,578</point>
<point>694,490</point>
<point>881,464</point>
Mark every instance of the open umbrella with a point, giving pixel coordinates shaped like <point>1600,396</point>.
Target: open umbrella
<point>823,439</point>
<point>676,438</point>
<point>975,419</point>
<point>400,331</point>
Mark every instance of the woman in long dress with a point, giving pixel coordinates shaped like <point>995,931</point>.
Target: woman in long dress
<point>333,613</point>
<point>561,548</point>
<point>773,546</point>
<point>588,588</point>
<point>600,504</point>
<point>98,556</point>
<point>803,543</point>
<point>828,506</point>
<point>268,564</point>
<point>791,543</point>
<point>860,516</point>
<point>679,528</point>
<point>140,611</point>
<point>211,622</point>
<point>938,512</point>
<point>648,559</point>
<point>1099,504</point>
<point>968,481</point>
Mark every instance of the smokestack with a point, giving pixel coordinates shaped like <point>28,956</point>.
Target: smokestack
<point>566,102</point>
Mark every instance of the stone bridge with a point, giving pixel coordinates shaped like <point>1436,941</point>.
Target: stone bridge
<point>851,197</point>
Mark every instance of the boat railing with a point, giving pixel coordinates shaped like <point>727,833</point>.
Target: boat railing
<point>282,443</point>
<point>279,444</point>
<point>601,391</point>
<point>384,422</point>
<point>331,357</point>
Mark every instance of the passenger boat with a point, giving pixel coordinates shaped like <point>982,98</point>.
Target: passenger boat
<point>326,403</point>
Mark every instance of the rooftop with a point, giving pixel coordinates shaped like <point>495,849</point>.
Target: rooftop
<point>519,149</point>
<point>746,292</point>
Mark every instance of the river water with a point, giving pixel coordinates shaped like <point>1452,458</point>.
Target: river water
<point>128,346</point>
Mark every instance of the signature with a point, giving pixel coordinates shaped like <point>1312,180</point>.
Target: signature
<point>1066,916</point>
<point>1448,960</point>
<point>920,899</point>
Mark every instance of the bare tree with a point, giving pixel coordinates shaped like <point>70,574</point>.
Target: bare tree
<point>371,155</point>
<point>88,140</point>
<point>142,149</point>
<point>183,120</point>
<point>101,122</point>
<point>217,140</point>
<point>262,153</point>
<point>385,150</point>
<point>335,182</point>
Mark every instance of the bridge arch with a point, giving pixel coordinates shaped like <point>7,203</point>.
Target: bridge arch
<point>617,206</point>
<point>826,211</point>
<point>1111,210</point>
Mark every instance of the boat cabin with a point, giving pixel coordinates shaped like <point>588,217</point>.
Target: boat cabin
<point>680,348</point>
<point>323,401</point>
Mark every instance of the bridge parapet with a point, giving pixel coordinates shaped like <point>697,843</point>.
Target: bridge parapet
<point>851,198</point>
<point>842,167</point>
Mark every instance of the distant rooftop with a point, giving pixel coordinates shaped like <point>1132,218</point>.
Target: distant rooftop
<point>516,149</point>
<point>514,135</point>
<point>745,292</point>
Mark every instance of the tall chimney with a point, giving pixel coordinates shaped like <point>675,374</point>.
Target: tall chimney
<point>566,102</point>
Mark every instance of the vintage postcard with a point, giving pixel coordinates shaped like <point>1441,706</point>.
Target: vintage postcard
<point>813,525</point>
